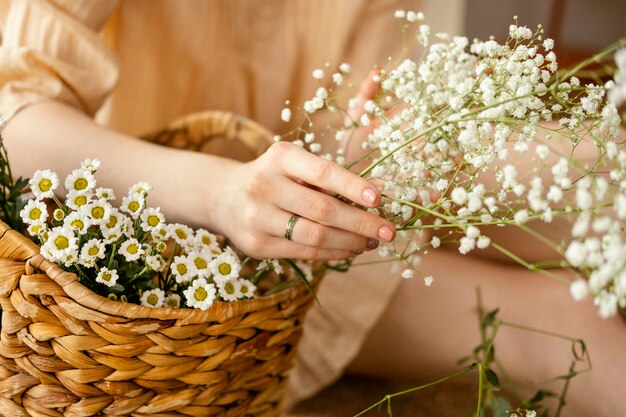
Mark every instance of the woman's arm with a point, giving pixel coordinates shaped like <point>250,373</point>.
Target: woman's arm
<point>249,202</point>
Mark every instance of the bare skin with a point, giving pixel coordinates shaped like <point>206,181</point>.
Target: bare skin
<point>426,330</point>
<point>249,202</point>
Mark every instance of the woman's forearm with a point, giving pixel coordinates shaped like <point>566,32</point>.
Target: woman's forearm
<point>53,135</point>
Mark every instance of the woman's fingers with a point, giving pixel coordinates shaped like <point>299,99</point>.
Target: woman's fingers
<point>305,166</point>
<point>293,250</point>
<point>310,233</point>
<point>329,211</point>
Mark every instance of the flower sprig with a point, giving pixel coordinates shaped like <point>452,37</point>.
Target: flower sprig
<point>481,133</point>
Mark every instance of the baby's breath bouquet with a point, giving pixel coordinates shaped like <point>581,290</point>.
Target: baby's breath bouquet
<point>123,253</point>
<point>479,133</point>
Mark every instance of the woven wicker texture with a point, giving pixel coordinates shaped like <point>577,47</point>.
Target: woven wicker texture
<point>66,351</point>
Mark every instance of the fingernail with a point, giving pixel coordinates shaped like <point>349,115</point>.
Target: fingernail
<point>357,252</point>
<point>385,233</point>
<point>372,243</point>
<point>370,195</point>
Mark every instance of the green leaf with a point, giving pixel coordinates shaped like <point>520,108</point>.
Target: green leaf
<point>462,360</point>
<point>540,395</point>
<point>489,318</point>
<point>579,349</point>
<point>500,407</point>
<point>302,277</point>
<point>491,355</point>
<point>492,377</point>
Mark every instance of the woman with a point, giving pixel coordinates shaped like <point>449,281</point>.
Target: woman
<point>177,57</point>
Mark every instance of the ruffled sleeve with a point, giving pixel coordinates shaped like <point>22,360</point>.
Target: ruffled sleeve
<point>51,51</point>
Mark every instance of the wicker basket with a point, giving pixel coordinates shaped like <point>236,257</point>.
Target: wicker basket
<point>66,351</point>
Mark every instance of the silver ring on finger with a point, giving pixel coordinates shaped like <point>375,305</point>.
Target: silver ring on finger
<point>290,225</point>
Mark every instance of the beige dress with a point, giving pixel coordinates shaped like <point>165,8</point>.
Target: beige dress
<point>136,65</point>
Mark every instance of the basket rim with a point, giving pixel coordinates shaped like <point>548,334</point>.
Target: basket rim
<point>220,310</point>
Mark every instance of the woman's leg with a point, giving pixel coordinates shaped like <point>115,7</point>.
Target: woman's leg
<point>426,329</point>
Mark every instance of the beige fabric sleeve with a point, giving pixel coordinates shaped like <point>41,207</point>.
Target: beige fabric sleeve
<point>51,51</point>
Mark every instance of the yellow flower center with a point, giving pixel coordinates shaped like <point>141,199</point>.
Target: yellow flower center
<point>224,268</point>
<point>133,206</point>
<point>132,249</point>
<point>200,263</point>
<point>112,222</point>
<point>35,213</point>
<point>97,212</point>
<point>153,299</point>
<point>200,294</point>
<point>58,214</point>
<point>181,233</point>
<point>106,276</point>
<point>61,242</point>
<point>153,220</point>
<point>229,287</point>
<point>244,289</point>
<point>206,240</point>
<point>78,224</point>
<point>93,251</point>
<point>81,200</point>
<point>80,184</point>
<point>36,228</point>
<point>45,184</point>
<point>181,268</point>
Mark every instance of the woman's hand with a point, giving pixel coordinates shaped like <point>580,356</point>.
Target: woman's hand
<point>264,194</point>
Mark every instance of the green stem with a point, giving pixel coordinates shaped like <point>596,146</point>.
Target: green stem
<point>430,384</point>
<point>529,266</point>
<point>479,404</point>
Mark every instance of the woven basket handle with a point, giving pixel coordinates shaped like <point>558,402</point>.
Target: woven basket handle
<point>216,132</point>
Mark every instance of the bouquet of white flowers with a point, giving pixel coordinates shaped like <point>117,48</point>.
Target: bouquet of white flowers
<point>119,253</point>
<point>478,133</point>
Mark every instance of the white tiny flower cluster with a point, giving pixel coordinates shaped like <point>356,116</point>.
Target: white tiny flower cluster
<point>114,247</point>
<point>470,110</point>
<point>617,92</point>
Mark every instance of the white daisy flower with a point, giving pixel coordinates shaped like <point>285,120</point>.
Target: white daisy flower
<point>106,193</point>
<point>131,249</point>
<point>71,257</point>
<point>76,200</point>
<point>80,180</point>
<point>155,262</point>
<point>91,165</point>
<point>200,294</point>
<point>183,235</point>
<point>111,234</point>
<point>35,211</point>
<point>224,267</point>
<point>141,188</point>
<point>36,228</point>
<point>273,264</point>
<point>205,238</point>
<point>172,301</point>
<point>153,298</point>
<point>160,233</point>
<point>247,288</point>
<point>200,262</point>
<point>93,249</point>
<point>230,289</point>
<point>60,244</point>
<point>43,183</point>
<point>133,204</point>
<point>152,219</point>
<point>115,219</point>
<point>107,276</point>
<point>127,227</point>
<point>97,211</point>
<point>58,214</point>
<point>78,222</point>
<point>182,269</point>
